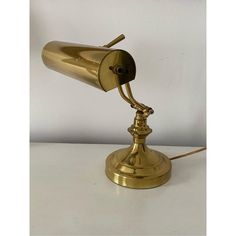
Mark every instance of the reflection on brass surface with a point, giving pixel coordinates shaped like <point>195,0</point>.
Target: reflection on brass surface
<point>102,67</point>
<point>138,166</point>
<point>89,64</point>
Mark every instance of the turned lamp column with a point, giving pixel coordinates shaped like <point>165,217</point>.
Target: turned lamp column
<point>139,130</point>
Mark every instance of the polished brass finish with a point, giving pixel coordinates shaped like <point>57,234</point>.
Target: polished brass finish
<point>115,41</point>
<point>89,64</point>
<point>132,101</point>
<point>136,166</point>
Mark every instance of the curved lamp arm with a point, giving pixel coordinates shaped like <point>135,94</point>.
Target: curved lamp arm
<point>130,98</point>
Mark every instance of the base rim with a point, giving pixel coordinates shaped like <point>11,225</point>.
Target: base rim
<point>138,182</point>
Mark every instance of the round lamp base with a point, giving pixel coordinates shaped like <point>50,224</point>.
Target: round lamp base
<point>138,167</point>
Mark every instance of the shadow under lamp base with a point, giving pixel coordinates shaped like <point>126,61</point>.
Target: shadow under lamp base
<point>138,166</point>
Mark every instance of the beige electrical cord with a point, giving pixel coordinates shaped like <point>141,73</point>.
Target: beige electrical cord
<point>188,153</point>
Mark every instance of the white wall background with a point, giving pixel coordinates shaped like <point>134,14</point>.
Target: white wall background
<point>166,39</point>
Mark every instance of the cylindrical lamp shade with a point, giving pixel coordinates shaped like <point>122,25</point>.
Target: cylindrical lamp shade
<point>92,65</point>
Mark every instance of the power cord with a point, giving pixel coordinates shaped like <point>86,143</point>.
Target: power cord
<point>188,153</point>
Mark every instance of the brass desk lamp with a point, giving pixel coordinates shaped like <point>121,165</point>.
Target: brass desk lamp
<point>102,67</point>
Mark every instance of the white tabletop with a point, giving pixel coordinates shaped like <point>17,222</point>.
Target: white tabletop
<point>70,194</point>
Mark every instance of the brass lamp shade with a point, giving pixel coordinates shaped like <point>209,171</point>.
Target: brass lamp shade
<point>89,64</point>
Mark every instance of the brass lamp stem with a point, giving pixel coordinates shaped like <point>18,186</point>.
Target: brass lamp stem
<point>138,166</point>
<point>139,129</point>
